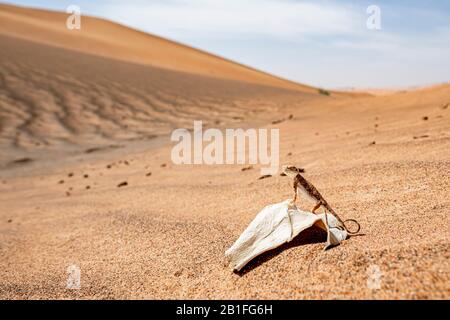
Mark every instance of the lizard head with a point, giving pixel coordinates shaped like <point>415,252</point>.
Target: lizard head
<point>292,171</point>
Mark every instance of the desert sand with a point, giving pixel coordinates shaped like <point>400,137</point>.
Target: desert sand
<point>86,177</point>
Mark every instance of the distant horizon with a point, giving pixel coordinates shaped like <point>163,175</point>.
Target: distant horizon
<point>397,57</point>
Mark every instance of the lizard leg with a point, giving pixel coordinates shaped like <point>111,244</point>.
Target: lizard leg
<point>295,190</point>
<point>317,206</point>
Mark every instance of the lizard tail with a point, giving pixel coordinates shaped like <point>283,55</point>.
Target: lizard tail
<point>343,222</point>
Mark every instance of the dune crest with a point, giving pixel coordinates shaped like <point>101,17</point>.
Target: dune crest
<point>109,39</point>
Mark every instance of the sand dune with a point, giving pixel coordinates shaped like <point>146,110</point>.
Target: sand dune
<point>139,226</point>
<point>56,99</point>
<point>105,38</point>
<point>107,85</point>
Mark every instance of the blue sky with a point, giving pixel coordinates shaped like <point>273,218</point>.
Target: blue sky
<point>324,43</point>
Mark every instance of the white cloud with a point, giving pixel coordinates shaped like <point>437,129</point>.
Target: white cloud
<point>413,46</point>
<point>239,18</point>
<point>402,46</point>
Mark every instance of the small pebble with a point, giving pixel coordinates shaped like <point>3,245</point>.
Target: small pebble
<point>421,137</point>
<point>178,273</point>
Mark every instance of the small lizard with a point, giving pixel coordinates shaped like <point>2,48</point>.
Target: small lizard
<point>303,186</point>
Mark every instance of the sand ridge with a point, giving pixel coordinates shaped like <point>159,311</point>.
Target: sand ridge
<point>60,100</point>
<point>108,39</point>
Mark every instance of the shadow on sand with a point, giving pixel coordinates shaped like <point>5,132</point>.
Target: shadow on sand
<point>309,236</point>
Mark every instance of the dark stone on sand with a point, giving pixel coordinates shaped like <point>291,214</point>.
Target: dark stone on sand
<point>178,273</point>
<point>91,150</point>
<point>22,161</point>
<point>421,137</point>
<point>265,176</point>
<point>122,184</point>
